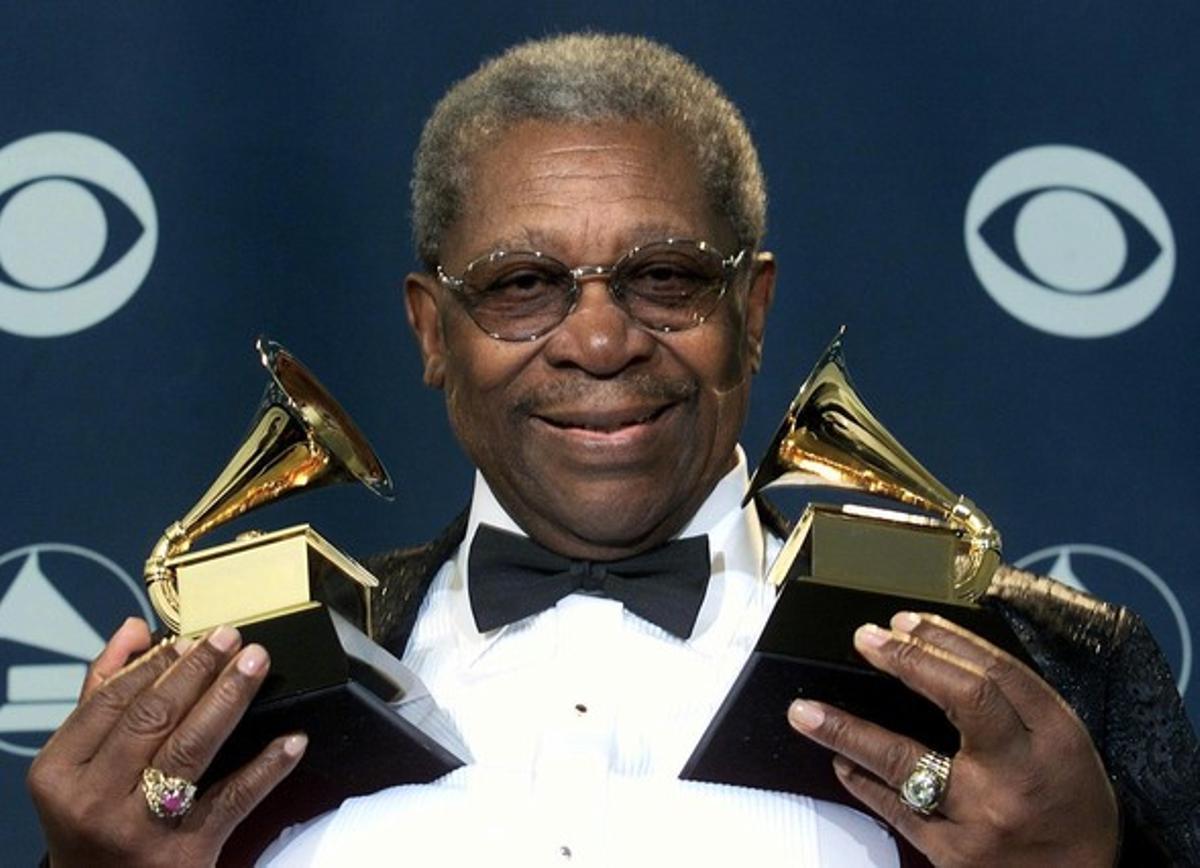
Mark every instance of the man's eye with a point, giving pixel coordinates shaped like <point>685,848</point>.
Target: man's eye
<point>667,281</point>
<point>521,282</point>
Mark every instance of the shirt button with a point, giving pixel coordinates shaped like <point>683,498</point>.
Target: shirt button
<point>565,852</point>
<point>580,708</point>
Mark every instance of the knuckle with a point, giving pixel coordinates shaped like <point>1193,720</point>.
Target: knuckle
<point>835,730</point>
<point>897,761</point>
<point>1004,826</point>
<point>231,692</point>
<point>41,781</point>
<point>1007,815</point>
<point>112,697</point>
<point>907,654</point>
<point>151,714</point>
<point>999,671</point>
<point>981,696</point>
<point>184,751</point>
<point>201,664</point>
<point>241,794</point>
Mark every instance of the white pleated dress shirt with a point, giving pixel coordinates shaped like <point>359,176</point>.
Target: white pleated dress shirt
<point>578,721</point>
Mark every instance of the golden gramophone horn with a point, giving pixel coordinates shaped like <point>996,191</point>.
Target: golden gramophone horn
<point>300,439</point>
<point>829,438</point>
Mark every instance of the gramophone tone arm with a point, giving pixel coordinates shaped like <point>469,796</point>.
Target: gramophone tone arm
<point>160,578</point>
<point>975,525</point>
<point>976,568</point>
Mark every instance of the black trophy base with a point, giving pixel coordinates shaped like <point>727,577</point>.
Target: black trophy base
<point>357,743</point>
<point>806,651</point>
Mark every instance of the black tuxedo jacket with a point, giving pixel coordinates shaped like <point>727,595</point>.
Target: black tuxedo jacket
<point>1099,657</point>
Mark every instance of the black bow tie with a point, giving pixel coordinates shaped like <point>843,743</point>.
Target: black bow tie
<point>512,577</point>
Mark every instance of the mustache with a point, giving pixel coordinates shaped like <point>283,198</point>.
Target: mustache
<point>636,387</point>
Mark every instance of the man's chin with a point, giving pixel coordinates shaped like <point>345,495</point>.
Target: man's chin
<point>599,526</point>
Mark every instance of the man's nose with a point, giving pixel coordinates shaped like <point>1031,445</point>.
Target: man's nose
<point>598,336</point>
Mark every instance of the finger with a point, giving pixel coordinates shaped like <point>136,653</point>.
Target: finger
<point>889,757</point>
<point>977,707</point>
<point>224,806</point>
<point>130,639</point>
<point>191,746</point>
<point>1024,687</point>
<point>922,830</point>
<point>81,735</point>
<point>159,708</point>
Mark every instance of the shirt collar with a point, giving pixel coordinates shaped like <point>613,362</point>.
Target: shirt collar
<point>736,547</point>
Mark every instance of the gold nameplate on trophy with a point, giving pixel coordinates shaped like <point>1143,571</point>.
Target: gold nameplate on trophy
<point>829,438</point>
<point>258,576</point>
<point>300,439</point>
<point>880,550</point>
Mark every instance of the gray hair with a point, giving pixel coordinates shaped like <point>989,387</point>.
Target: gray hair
<point>586,78</point>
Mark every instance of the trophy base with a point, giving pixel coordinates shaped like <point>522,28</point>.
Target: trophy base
<point>353,710</point>
<point>806,651</point>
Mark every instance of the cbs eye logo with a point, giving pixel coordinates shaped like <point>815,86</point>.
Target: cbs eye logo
<point>1069,241</point>
<point>78,231</point>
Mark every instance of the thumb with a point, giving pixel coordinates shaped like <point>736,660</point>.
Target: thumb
<point>131,639</point>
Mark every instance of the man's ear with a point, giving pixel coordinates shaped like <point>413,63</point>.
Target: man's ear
<point>421,304</point>
<point>758,302</point>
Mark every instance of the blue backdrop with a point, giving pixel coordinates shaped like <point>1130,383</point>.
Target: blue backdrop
<point>999,199</point>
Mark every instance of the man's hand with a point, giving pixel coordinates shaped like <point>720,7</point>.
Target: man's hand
<point>171,708</point>
<point>1026,786</point>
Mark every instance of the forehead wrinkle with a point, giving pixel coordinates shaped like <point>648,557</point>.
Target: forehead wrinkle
<point>604,162</point>
<point>549,181</point>
<point>550,239</point>
<point>617,173</point>
<point>621,152</point>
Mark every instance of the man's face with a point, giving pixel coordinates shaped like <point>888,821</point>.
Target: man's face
<point>602,437</point>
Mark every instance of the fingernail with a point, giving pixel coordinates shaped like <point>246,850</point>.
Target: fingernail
<point>871,635</point>
<point>294,745</point>
<point>805,715</point>
<point>906,621</point>
<point>842,766</point>
<point>223,638</point>
<point>251,659</point>
<point>183,644</point>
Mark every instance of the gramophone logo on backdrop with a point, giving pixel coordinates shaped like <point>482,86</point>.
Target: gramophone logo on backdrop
<point>78,231</point>
<point>57,603</point>
<point>1120,578</point>
<point>1069,241</point>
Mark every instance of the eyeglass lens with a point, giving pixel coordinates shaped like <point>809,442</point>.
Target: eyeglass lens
<point>664,286</point>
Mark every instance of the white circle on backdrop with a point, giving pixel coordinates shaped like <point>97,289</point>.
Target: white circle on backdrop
<point>52,233</point>
<point>47,306</point>
<point>37,612</point>
<point>1075,246</point>
<point>1070,240</point>
<point>1062,567</point>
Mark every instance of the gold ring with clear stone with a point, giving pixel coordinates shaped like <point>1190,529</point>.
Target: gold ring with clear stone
<point>924,789</point>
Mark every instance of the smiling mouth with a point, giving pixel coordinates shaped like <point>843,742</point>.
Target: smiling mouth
<point>604,422</point>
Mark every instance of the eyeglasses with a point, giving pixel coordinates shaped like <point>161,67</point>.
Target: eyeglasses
<point>667,286</point>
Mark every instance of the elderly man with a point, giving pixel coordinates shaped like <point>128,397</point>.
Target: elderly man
<point>589,210</point>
